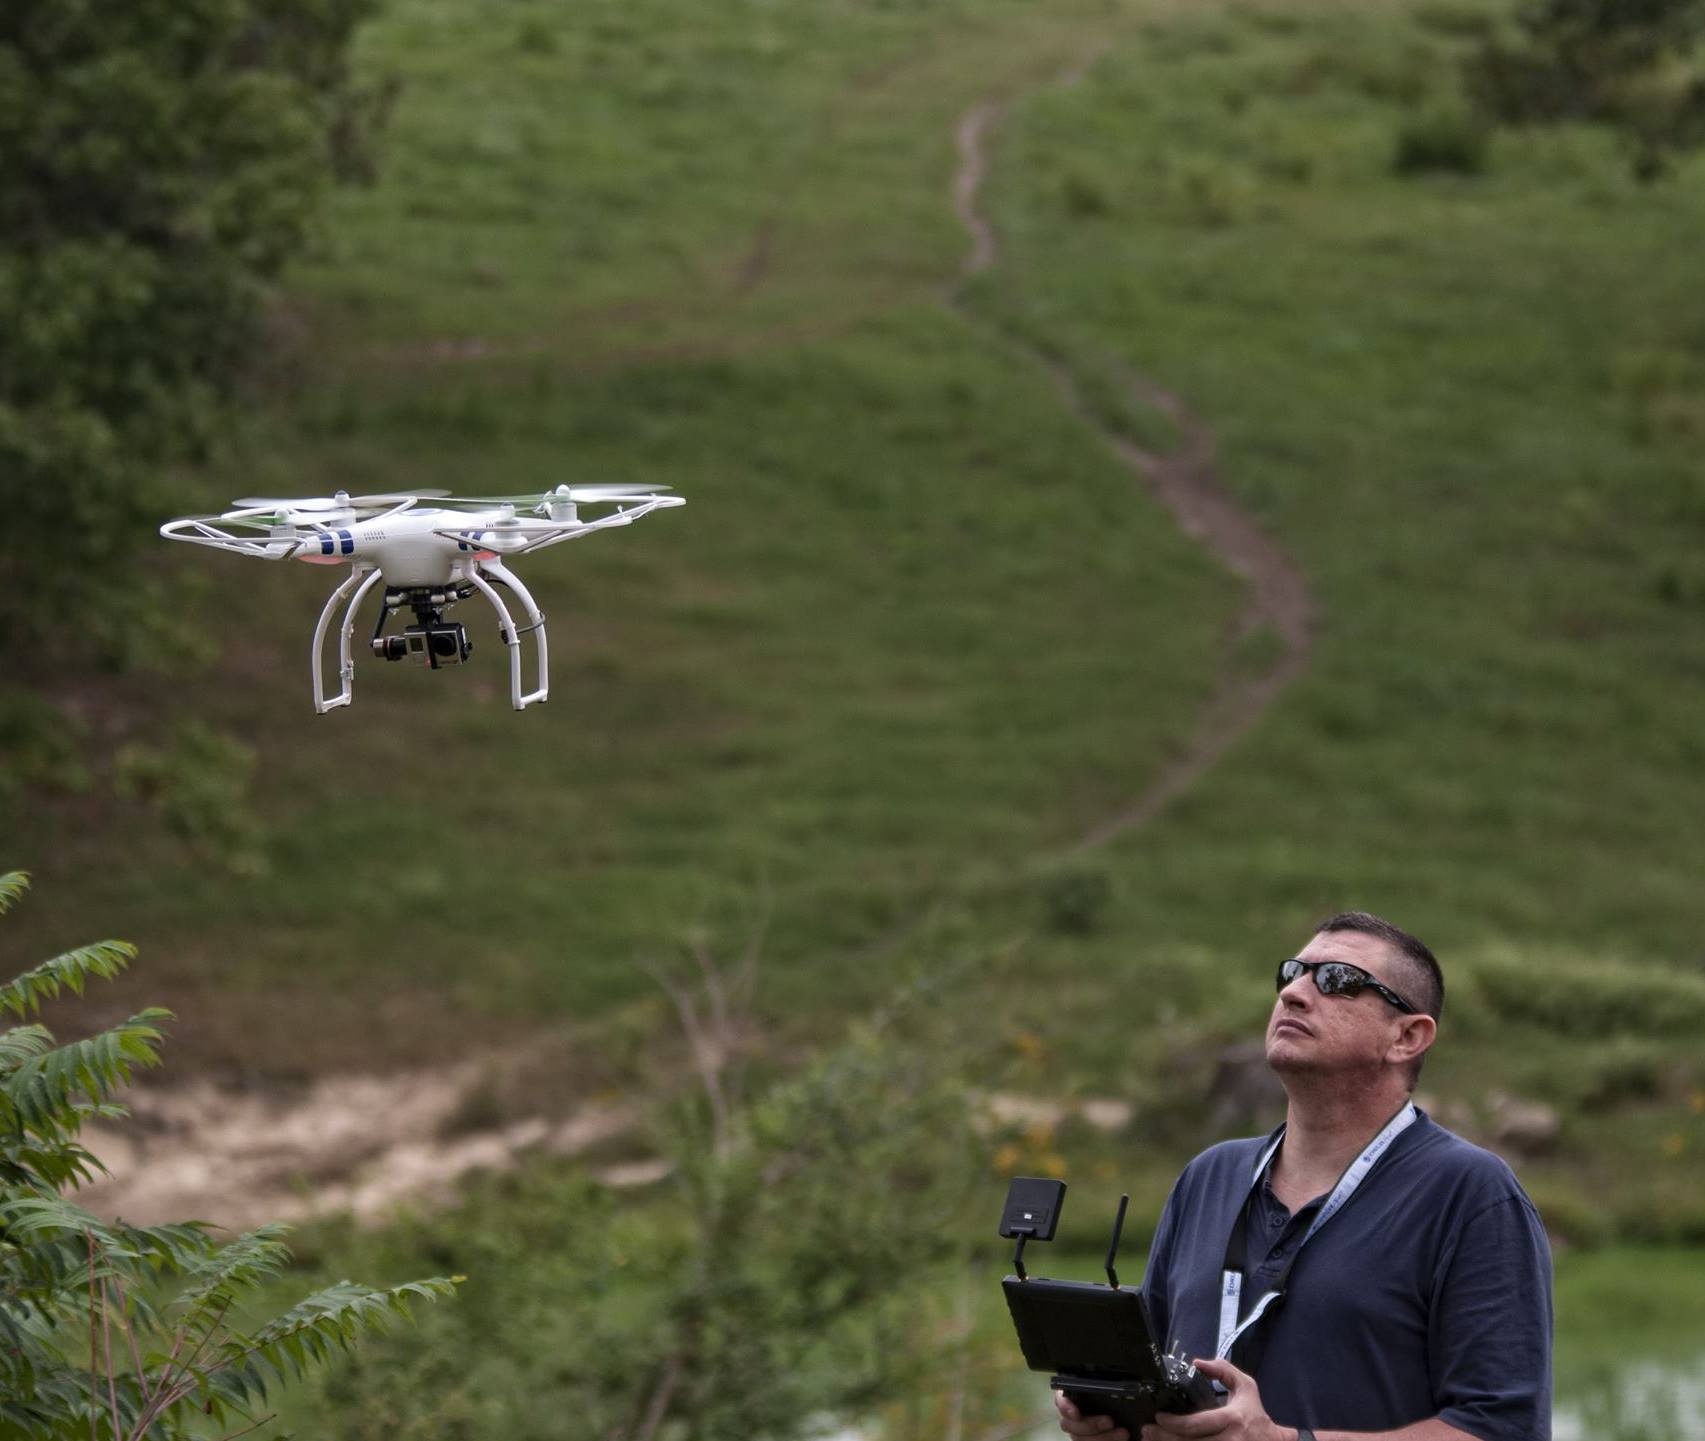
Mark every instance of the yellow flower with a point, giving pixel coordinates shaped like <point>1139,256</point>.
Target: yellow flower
<point>1007,1159</point>
<point>1673,1144</point>
<point>1029,1045</point>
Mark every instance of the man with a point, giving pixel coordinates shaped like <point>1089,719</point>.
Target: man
<point>1362,1272</point>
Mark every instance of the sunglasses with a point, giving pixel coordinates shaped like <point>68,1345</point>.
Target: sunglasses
<point>1340,978</point>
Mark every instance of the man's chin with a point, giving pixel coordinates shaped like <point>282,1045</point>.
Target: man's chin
<point>1285,1053</point>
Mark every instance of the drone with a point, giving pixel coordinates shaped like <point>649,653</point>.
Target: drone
<point>431,549</point>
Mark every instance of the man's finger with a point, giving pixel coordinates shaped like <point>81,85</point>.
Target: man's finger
<point>1198,1423</point>
<point>1223,1372</point>
<point>1101,1428</point>
<point>1074,1423</point>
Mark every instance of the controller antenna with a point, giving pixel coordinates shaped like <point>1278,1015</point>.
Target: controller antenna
<point>1113,1245</point>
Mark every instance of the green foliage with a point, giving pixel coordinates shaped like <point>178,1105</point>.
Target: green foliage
<point>159,163</point>
<point>1075,898</point>
<point>1449,139</point>
<point>1591,998</point>
<point>114,1331</point>
<point>1633,66</point>
<point>779,1277</point>
<point>42,745</point>
<point>198,782</point>
<point>1662,393</point>
<point>1456,17</point>
<point>1086,197</point>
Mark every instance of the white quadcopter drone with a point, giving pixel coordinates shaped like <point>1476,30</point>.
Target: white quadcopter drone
<point>429,556</point>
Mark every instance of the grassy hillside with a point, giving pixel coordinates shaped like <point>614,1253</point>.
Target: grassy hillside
<point>893,639</point>
<point>917,629</point>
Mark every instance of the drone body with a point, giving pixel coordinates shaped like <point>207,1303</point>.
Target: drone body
<point>429,556</point>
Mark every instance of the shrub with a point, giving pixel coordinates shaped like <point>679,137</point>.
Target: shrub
<point>1456,18</point>
<point>1084,196</point>
<point>1593,999</point>
<point>798,1238</point>
<point>1448,140</point>
<point>1075,900</point>
<point>115,1332</point>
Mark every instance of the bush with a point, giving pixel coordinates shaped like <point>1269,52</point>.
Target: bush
<point>1448,140</point>
<point>1456,18</point>
<point>797,1240</point>
<point>1084,196</point>
<point>1593,999</point>
<point>1633,68</point>
<point>1075,900</point>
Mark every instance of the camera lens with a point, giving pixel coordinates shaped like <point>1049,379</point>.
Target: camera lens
<point>444,643</point>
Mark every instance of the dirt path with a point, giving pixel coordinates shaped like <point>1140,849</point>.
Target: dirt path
<point>1186,481</point>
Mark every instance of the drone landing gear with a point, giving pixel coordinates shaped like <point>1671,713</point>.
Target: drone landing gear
<point>511,636</point>
<point>431,641</point>
<point>361,580</point>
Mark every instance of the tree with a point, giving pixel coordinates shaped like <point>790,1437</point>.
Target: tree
<point>1630,64</point>
<point>115,1332</point>
<point>160,162</point>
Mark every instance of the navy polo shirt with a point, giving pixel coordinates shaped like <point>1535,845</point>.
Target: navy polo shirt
<point>1427,1294</point>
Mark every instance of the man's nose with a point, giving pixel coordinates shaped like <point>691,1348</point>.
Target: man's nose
<point>1297,992</point>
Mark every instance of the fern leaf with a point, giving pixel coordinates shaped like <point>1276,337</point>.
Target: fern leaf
<point>237,1266</point>
<point>13,884</point>
<point>41,1093</point>
<point>19,1043</point>
<point>312,1331</point>
<point>135,1255</point>
<point>69,972</point>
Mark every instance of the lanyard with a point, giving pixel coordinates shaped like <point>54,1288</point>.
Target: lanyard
<point>1231,1278</point>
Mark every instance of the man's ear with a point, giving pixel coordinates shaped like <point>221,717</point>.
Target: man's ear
<point>1415,1036</point>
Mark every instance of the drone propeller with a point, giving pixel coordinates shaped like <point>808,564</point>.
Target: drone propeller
<point>587,493</point>
<point>337,502</point>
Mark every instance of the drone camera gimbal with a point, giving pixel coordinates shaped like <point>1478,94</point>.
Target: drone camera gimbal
<point>431,640</point>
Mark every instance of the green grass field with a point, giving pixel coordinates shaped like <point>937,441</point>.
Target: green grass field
<point>917,629</point>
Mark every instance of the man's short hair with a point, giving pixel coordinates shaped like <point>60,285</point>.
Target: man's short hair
<point>1423,983</point>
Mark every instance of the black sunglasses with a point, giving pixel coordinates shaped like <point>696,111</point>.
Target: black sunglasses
<point>1340,978</point>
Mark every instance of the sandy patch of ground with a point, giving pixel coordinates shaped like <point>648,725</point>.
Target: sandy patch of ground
<point>365,1145</point>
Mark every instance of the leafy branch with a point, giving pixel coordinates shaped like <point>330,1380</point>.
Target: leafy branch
<point>156,1302</point>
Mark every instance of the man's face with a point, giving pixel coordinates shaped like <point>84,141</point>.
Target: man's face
<point>1309,1032</point>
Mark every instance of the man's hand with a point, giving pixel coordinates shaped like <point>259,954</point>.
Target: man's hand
<point>1242,1418</point>
<point>1074,1423</point>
